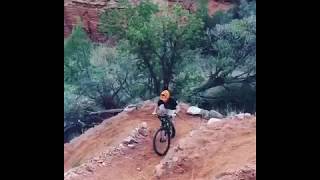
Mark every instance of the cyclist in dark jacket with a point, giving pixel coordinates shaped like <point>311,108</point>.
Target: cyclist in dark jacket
<point>166,105</point>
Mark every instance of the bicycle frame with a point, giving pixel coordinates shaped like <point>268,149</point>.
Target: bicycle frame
<point>165,124</point>
<point>165,121</point>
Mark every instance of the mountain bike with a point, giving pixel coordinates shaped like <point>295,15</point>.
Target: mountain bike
<point>162,137</point>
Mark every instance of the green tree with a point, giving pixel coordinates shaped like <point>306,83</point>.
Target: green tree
<point>233,55</point>
<point>245,8</point>
<point>157,38</point>
<point>77,49</point>
<point>109,76</point>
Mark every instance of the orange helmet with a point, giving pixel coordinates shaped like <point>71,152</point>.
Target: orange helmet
<point>164,96</point>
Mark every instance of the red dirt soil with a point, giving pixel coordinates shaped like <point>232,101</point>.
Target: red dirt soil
<point>214,152</point>
<point>218,151</point>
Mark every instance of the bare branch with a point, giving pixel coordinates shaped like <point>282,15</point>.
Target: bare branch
<point>245,73</point>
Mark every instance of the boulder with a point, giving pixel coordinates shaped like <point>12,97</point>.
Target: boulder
<point>215,114</point>
<point>213,120</point>
<point>193,110</point>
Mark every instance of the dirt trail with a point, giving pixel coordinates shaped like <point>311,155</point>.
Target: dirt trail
<point>113,131</point>
<point>210,152</point>
<point>213,152</point>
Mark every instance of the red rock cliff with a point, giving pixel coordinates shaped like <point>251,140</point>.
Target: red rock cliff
<point>88,11</point>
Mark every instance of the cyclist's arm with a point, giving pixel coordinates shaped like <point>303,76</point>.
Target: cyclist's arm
<point>156,108</point>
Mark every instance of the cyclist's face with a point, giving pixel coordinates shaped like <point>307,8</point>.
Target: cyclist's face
<point>164,97</point>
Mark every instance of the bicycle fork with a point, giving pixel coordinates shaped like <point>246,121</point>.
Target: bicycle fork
<point>163,137</point>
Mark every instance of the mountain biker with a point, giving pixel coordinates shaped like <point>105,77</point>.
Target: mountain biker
<point>166,106</point>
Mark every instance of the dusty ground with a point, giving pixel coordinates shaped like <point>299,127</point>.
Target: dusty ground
<point>224,150</point>
<point>213,152</point>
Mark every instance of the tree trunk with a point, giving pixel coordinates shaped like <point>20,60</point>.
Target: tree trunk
<point>154,87</point>
<point>166,79</point>
<point>156,82</point>
<point>167,73</point>
<point>212,82</point>
<point>218,81</point>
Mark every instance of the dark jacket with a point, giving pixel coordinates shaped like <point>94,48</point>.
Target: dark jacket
<point>170,104</point>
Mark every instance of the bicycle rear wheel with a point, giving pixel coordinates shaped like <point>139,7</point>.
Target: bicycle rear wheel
<point>161,141</point>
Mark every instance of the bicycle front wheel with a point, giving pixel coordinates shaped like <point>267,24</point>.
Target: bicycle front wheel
<point>161,141</point>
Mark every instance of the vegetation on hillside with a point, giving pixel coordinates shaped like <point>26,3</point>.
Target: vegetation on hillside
<point>207,61</point>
